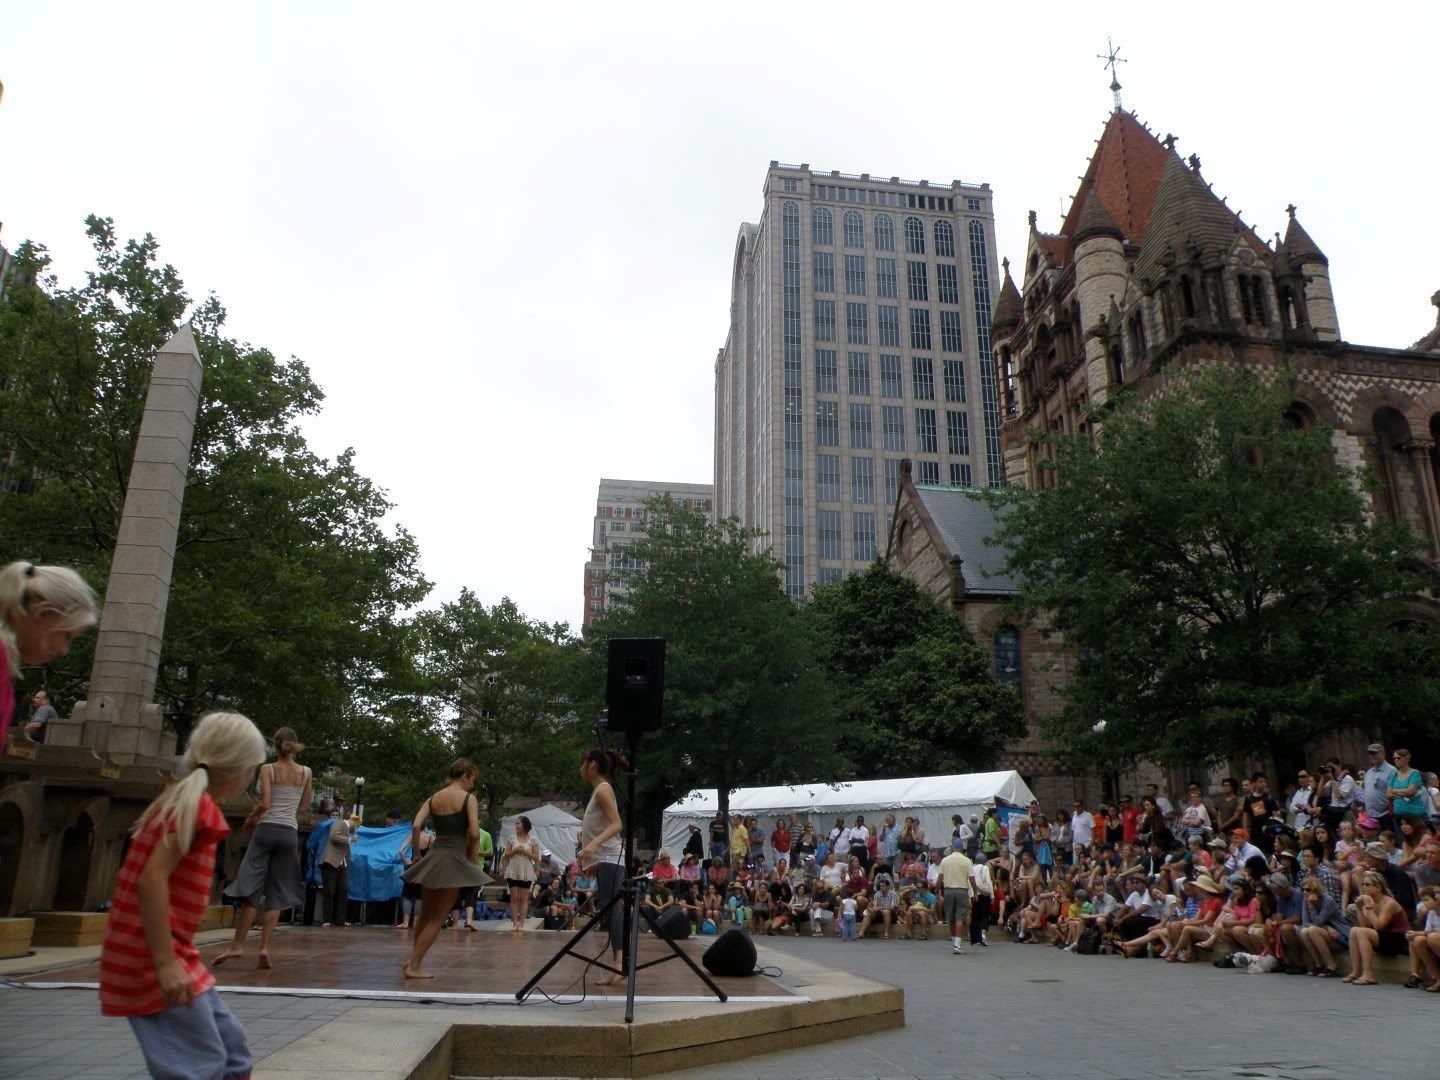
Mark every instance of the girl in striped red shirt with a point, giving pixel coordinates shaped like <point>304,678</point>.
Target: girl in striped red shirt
<point>150,969</point>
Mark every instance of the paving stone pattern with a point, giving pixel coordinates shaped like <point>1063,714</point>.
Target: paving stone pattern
<point>60,1034</point>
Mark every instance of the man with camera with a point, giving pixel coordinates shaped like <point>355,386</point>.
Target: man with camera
<point>1335,794</point>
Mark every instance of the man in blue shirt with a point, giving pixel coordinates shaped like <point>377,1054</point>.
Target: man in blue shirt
<point>1377,784</point>
<point>1289,907</point>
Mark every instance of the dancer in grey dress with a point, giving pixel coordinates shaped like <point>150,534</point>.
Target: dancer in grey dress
<point>269,878</point>
<point>449,865</point>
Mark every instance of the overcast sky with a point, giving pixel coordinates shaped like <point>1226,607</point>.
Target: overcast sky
<point>501,235</point>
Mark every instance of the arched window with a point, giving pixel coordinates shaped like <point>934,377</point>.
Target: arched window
<point>854,229</point>
<point>1392,431</point>
<point>884,232</point>
<point>822,226</point>
<point>1007,658</point>
<point>914,236</point>
<point>944,239</point>
<point>1298,417</point>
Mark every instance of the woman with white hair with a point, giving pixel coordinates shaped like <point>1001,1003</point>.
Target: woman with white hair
<point>42,610</point>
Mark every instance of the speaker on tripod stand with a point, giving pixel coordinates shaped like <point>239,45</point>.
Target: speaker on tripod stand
<point>634,696</point>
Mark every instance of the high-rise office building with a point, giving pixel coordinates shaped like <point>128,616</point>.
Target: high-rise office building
<point>619,522</point>
<point>859,336</point>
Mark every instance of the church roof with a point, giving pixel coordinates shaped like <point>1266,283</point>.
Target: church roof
<point>1298,247</point>
<point>1186,212</point>
<point>1430,343</point>
<point>964,523</point>
<point>1008,308</point>
<point>1094,220</point>
<point>1124,175</point>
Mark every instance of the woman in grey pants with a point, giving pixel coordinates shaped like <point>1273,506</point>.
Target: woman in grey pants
<point>601,848</point>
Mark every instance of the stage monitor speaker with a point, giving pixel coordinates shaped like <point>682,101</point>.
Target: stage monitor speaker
<point>635,687</point>
<point>674,923</point>
<point>732,954</point>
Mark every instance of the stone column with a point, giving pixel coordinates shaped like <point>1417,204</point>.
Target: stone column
<point>1425,490</point>
<point>120,717</point>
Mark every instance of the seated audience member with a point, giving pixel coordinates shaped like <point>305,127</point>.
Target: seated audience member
<point>718,874</point>
<point>689,868</point>
<point>822,907</point>
<point>1240,914</point>
<point>1242,851</point>
<point>1323,927</point>
<point>1314,866</point>
<point>1188,930</point>
<point>1143,913</point>
<point>1398,883</point>
<point>1380,928</point>
<point>659,898</point>
<point>737,905</point>
<point>664,869</point>
<point>712,905</point>
<point>799,913</point>
<point>882,907</point>
<point>832,873</point>
<point>779,894</point>
<point>1428,872</point>
<point>916,906</point>
<point>1425,943</point>
<point>1283,925</point>
<point>1163,933</point>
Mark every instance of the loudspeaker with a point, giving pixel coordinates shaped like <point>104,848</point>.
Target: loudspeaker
<point>674,923</point>
<point>732,954</point>
<point>635,686</point>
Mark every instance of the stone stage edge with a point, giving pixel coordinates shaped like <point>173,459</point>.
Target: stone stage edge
<point>465,1022</point>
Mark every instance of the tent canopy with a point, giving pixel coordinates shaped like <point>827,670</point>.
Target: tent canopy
<point>554,828</point>
<point>933,799</point>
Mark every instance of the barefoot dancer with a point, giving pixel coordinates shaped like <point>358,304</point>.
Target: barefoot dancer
<point>269,878</point>
<point>519,867</point>
<point>449,864</point>
<point>601,846</point>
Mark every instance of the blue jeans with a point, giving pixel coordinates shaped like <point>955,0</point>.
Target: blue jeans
<point>199,1041</point>
<point>847,927</point>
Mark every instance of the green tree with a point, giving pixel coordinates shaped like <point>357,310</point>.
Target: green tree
<point>1221,579</point>
<point>288,588</point>
<point>916,688</point>
<point>746,697</point>
<point>505,683</point>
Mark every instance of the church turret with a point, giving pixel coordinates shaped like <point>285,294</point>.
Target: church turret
<point>1305,256</point>
<point>1008,308</point>
<point>1100,269</point>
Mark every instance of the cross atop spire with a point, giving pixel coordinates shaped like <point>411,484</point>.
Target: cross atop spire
<point>1112,58</point>
<point>1290,210</point>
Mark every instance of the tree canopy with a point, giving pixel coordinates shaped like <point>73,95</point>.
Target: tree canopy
<point>288,588</point>
<point>746,697</point>
<point>1221,579</point>
<point>916,690</point>
<point>505,683</point>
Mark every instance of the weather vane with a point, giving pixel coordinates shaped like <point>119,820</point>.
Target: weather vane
<point>1112,58</point>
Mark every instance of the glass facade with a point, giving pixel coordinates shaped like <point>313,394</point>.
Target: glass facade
<point>862,531</point>
<point>947,283</point>
<point>989,398</point>
<point>923,379</point>
<point>859,374</point>
<point>891,375</point>
<point>855,275</point>
<point>926,440</point>
<point>822,226</point>
<point>859,426</point>
<point>862,480</point>
<point>886,285</point>
<point>854,229</point>
<point>944,240</point>
<point>919,328</point>
<point>794,406</point>
<point>914,236</point>
<point>955,381</point>
<point>827,423</point>
<point>825,380</point>
<point>951,336</point>
<point>892,420</point>
<point>884,232</point>
<point>822,265</point>
<point>888,317</point>
<point>824,320</point>
<point>827,477</point>
<point>957,433</point>
<point>857,324</point>
<point>929,472</point>
<point>827,529</point>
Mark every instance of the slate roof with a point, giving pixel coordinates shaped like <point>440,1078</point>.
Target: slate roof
<point>1430,343</point>
<point>1186,211</point>
<point>964,522</point>
<point>1008,308</point>
<point>1124,174</point>
<point>1094,220</point>
<point>1298,247</point>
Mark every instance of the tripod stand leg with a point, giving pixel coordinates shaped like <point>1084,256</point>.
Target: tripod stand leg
<point>633,912</point>
<point>683,955</point>
<point>603,915</point>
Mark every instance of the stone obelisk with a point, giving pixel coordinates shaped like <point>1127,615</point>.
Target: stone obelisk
<point>120,717</point>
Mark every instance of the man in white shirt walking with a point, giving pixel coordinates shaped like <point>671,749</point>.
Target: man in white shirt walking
<point>955,871</point>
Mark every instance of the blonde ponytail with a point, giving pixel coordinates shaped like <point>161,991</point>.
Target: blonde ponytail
<point>221,742</point>
<point>26,589</point>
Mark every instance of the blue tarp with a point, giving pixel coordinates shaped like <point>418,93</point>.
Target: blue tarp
<point>315,849</point>
<point>376,862</point>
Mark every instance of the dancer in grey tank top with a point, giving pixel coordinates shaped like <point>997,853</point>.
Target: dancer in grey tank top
<point>601,848</point>
<point>269,878</point>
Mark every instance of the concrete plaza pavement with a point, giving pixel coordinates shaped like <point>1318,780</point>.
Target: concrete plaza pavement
<point>1009,1012</point>
<point>1032,1012</point>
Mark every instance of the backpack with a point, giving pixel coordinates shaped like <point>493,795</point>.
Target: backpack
<point>1090,939</point>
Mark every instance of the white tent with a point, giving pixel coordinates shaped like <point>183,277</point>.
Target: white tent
<point>933,799</point>
<point>554,828</point>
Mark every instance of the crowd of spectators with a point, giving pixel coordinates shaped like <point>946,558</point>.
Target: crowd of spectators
<point>1344,861</point>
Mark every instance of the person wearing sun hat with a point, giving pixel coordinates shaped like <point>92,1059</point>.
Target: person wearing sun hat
<point>1186,931</point>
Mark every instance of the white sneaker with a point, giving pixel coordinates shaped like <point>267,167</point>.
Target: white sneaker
<point>955,950</point>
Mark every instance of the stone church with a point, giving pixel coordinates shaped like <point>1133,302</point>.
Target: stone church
<point>1151,271</point>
